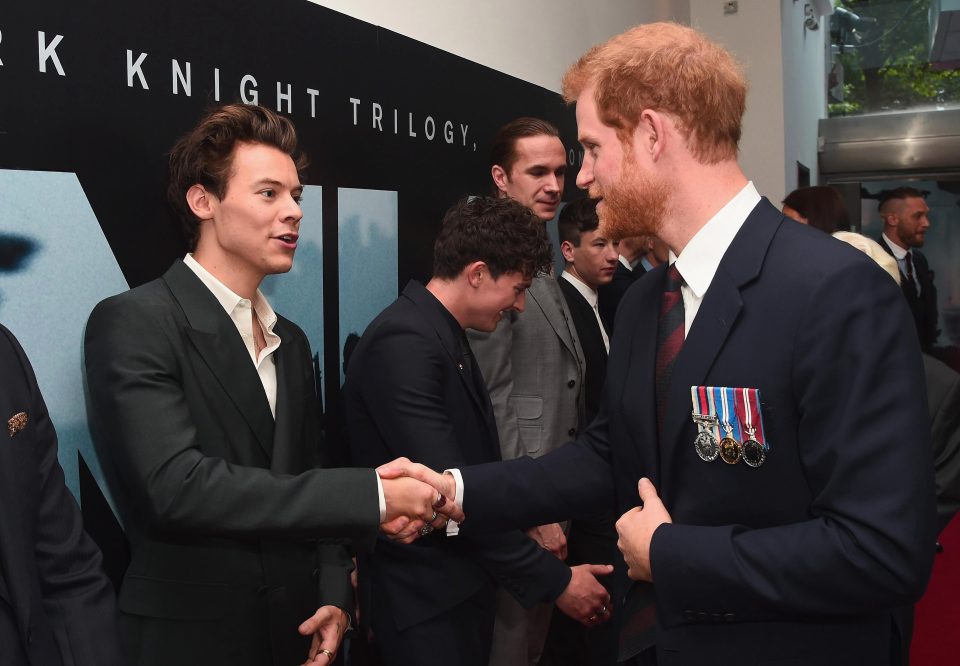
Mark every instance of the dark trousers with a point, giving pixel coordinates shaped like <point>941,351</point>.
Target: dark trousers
<point>459,637</point>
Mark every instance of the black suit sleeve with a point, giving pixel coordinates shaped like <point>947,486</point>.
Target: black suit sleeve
<point>78,599</point>
<point>134,367</point>
<point>405,402</point>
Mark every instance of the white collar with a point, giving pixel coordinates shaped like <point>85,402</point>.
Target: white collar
<point>582,287</point>
<point>228,299</point>
<point>701,257</point>
<point>898,252</point>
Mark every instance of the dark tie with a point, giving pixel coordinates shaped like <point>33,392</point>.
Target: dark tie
<point>669,338</point>
<point>908,260</point>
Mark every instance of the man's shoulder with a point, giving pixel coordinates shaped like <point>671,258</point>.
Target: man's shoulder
<point>151,297</point>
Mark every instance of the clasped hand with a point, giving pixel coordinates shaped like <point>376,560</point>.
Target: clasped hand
<point>418,500</point>
<point>635,531</point>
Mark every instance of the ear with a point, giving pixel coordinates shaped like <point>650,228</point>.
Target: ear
<point>499,177</point>
<point>476,273</point>
<point>202,203</point>
<point>566,248</point>
<point>650,136</point>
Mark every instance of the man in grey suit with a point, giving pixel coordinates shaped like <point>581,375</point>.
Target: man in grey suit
<point>532,363</point>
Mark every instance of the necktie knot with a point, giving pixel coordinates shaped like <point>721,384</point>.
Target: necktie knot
<point>674,279</point>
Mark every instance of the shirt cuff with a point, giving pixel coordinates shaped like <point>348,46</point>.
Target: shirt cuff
<point>381,498</point>
<point>453,528</point>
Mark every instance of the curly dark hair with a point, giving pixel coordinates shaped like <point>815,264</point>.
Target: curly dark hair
<point>204,156</point>
<point>500,232</point>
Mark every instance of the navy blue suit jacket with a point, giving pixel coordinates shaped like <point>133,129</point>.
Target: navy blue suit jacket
<point>407,395</point>
<point>803,557</point>
<point>56,604</point>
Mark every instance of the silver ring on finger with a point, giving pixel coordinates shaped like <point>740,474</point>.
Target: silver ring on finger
<point>326,652</point>
<point>433,517</point>
<point>425,530</point>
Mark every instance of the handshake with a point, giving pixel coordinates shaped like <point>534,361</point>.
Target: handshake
<point>419,500</point>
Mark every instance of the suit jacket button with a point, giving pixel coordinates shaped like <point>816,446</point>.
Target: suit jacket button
<point>729,617</point>
<point>688,615</point>
<point>715,617</point>
<point>702,616</point>
<point>572,432</point>
<point>572,383</point>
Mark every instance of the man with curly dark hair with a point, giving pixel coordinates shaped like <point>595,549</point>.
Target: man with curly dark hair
<point>414,389</point>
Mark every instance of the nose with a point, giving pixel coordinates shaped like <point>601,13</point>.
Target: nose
<point>585,175</point>
<point>611,254</point>
<point>292,212</point>
<point>552,186</point>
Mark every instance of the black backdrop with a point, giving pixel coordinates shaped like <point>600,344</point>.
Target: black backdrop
<point>111,116</point>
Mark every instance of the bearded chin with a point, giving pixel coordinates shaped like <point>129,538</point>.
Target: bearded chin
<point>633,207</point>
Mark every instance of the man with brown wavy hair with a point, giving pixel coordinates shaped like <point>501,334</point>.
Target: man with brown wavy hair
<point>785,520</point>
<point>207,422</point>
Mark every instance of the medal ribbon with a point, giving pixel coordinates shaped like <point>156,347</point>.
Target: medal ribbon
<point>725,396</point>
<point>712,407</point>
<point>748,411</point>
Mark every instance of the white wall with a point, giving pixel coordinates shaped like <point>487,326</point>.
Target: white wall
<point>753,36</point>
<point>804,92</point>
<point>536,40</point>
<point>533,40</point>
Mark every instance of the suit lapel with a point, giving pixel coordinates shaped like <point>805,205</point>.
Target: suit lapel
<point>430,310</point>
<point>219,344</point>
<point>286,442</point>
<point>637,384</point>
<point>715,320</point>
<point>550,300</point>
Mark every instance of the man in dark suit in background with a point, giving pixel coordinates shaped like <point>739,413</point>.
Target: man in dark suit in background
<point>905,223</point>
<point>207,422</point>
<point>590,262</point>
<point>785,522</point>
<point>629,269</point>
<point>56,604</point>
<point>414,389</point>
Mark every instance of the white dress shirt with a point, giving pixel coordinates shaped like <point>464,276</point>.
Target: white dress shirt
<point>901,256</point>
<point>701,257</point>
<point>240,311</point>
<point>591,297</point>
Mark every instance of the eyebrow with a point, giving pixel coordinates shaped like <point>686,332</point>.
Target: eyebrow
<point>276,183</point>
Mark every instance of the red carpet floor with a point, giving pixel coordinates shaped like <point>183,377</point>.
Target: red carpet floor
<point>936,634</point>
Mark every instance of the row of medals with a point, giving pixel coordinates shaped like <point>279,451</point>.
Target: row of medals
<point>728,449</point>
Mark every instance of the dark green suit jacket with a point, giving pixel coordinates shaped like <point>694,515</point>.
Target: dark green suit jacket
<point>224,506</point>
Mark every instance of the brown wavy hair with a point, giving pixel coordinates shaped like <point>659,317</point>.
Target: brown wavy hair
<point>204,155</point>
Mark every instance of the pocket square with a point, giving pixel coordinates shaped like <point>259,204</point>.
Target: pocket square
<point>16,423</point>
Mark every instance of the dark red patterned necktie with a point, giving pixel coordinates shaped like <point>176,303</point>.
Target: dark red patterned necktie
<point>669,337</point>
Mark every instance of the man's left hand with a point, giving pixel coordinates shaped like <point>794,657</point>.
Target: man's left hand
<point>635,529</point>
<point>327,627</point>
